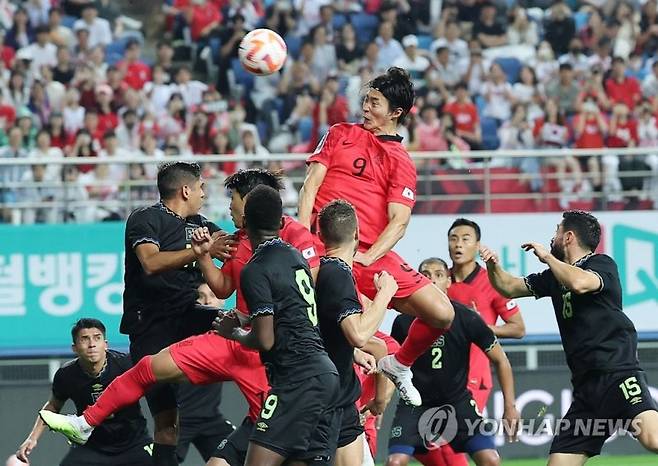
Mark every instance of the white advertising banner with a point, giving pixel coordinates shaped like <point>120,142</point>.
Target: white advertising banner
<point>631,238</point>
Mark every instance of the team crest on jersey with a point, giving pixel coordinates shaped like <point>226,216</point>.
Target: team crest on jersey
<point>308,253</point>
<point>96,391</point>
<point>261,427</point>
<point>439,342</point>
<point>408,193</point>
<point>396,432</point>
<point>188,233</point>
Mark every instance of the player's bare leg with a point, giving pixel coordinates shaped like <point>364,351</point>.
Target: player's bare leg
<point>486,458</point>
<point>567,459</point>
<point>434,314</point>
<point>647,430</point>
<point>217,462</point>
<point>261,456</point>
<point>350,455</point>
<point>398,459</point>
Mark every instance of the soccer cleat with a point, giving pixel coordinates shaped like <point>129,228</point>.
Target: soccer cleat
<point>70,426</point>
<point>401,376</point>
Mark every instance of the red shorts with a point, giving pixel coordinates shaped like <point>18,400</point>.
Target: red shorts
<point>209,358</point>
<point>409,279</point>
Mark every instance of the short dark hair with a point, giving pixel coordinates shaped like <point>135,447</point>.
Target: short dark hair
<point>338,222</point>
<point>585,226</point>
<point>433,260</point>
<point>244,181</point>
<point>566,66</point>
<point>464,222</point>
<point>173,175</point>
<point>398,89</point>
<point>263,209</point>
<point>86,322</point>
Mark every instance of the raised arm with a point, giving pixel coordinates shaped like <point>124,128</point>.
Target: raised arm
<point>504,282</point>
<point>220,283</point>
<point>155,261</point>
<point>30,442</point>
<point>399,216</point>
<point>359,328</point>
<point>314,177</point>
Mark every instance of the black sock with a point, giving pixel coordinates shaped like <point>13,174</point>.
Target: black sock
<point>164,455</point>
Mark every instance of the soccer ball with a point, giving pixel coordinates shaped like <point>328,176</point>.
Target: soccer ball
<point>262,52</point>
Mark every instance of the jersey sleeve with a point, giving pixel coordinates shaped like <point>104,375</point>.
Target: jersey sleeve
<point>59,387</point>
<point>304,242</point>
<point>478,331</point>
<point>257,291</point>
<point>402,182</point>
<point>503,307</point>
<point>341,294</point>
<point>142,228</point>
<point>539,284</point>
<point>323,152</point>
<point>606,269</point>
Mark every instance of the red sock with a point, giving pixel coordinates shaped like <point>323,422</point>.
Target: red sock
<point>125,390</point>
<point>419,339</point>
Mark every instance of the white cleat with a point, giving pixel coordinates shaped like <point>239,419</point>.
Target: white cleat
<point>401,376</point>
<point>72,427</point>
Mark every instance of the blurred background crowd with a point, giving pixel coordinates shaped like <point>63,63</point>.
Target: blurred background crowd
<point>102,78</point>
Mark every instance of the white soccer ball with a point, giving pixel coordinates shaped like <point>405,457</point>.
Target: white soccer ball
<point>262,52</point>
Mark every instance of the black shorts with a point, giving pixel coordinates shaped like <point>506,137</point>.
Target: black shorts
<point>416,430</point>
<point>159,335</point>
<point>601,404</point>
<point>234,449</point>
<point>301,421</point>
<point>82,455</point>
<point>204,434</point>
<point>350,426</point>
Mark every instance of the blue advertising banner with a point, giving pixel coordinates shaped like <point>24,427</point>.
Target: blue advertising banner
<point>52,275</point>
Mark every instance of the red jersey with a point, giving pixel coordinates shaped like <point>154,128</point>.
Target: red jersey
<point>623,134</point>
<point>465,115</point>
<point>591,137</point>
<point>477,293</point>
<point>628,91</point>
<point>137,74</point>
<point>292,232</point>
<point>368,171</point>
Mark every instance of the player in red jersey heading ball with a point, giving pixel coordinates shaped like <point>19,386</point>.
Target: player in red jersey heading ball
<point>367,165</point>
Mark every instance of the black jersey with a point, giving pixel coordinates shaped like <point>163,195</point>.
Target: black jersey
<point>122,431</point>
<point>196,402</point>
<point>596,334</point>
<point>337,299</point>
<point>168,292</point>
<point>441,374</point>
<point>277,281</point>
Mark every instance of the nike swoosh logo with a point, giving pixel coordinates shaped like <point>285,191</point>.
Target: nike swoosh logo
<point>346,143</point>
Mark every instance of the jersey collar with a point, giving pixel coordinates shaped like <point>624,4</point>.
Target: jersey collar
<point>390,137</point>
<point>470,277</point>
<point>338,260</point>
<point>160,205</point>
<point>582,259</point>
<point>269,242</point>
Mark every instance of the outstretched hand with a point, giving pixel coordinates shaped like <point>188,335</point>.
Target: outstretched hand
<point>538,249</point>
<point>201,241</point>
<point>489,256</point>
<point>223,245</point>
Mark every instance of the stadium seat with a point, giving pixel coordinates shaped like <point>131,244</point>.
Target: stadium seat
<point>480,103</point>
<point>490,139</point>
<point>68,21</point>
<point>580,18</point>
<point>339,20</point>
<point>365,26</point>
<point>114,51</point>
<point>294,44</point>
<point>511,66</point>
<point>424,41</point>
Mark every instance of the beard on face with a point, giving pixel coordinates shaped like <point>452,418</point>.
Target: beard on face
<point>557,250</point>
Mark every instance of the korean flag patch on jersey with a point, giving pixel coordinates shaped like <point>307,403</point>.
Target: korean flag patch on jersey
<point>308,253</point>
<point>408,193</point>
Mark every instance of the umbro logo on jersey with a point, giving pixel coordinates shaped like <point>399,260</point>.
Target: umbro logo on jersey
<point>308,253</point>
<point>408,193</point>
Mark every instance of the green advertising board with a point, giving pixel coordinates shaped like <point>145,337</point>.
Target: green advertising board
<point>52,275</point>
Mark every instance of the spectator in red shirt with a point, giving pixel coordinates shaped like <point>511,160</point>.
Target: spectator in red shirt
<point>332,109</point>
<point>199,137</point>
<point>623,133</point>
<point>7,113</point>
<point>135,72</point>
<point>467,121</point>
<point>204,18</point>
<point>107,117</point>
<point>590,129</point>
<point>7,54</point>
<point>622,88</point>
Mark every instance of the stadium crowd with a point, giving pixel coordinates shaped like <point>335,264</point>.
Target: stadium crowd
<point>488,75</point>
